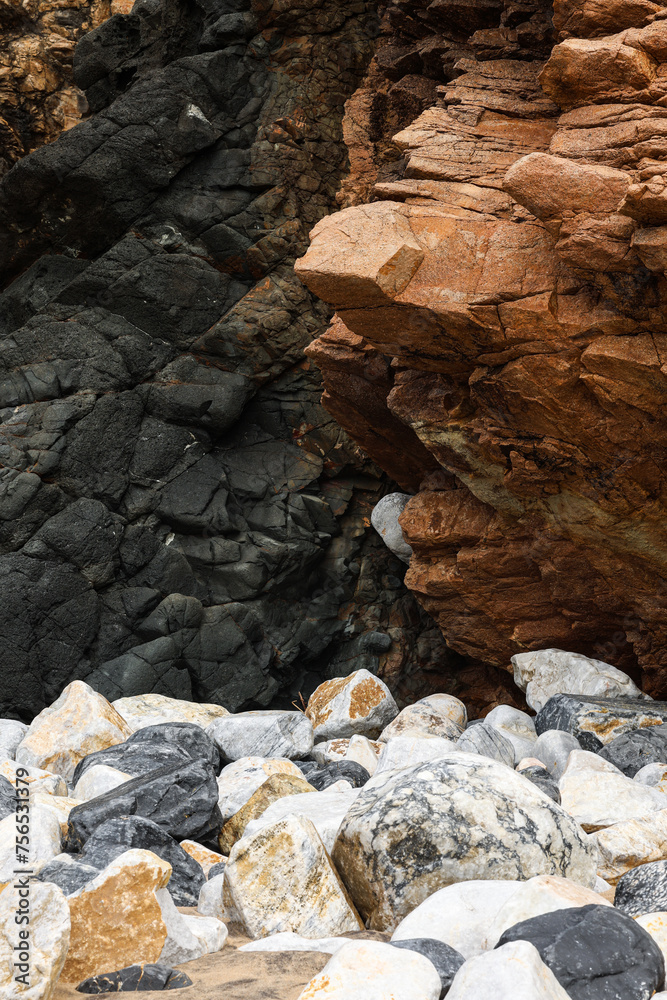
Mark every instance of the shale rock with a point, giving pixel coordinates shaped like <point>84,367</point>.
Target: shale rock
<point>429,807</point>
<point>643,889</point>
<point>358,704</point>
<point>136,978</point>
<point>125,833</point>
<point>78,723</point>
<point>181,799</point>
<point>46,943</point>
<point>282,879</point>
<point>262,734</point>
<point>623,961</point>
<point>373,966</point>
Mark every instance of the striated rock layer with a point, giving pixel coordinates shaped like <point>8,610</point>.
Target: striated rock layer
<point>500,343</point>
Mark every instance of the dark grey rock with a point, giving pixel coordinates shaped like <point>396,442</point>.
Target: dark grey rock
<point>642,889</point>
<point>595,952</point>
<point>133,758</point>
<point>115,836</point>
<point>136,979</point>
<point>447,960</point>
<point>590,742</point>
<point>631,751</point>
<point>185,735</point>
<point>602,718</point>
<point>182,799</point>
<point>543,780</point>
<point>216,869</point>
<point>488,742</point>
<point>347,770</point>
<point>70,876</point>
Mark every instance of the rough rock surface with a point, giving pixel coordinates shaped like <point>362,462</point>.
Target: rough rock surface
<point>136,977</point>
<point>178,513</point>
<point>500,329</point>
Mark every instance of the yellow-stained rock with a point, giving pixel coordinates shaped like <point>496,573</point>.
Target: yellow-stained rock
<point>49,935</point>
<point>143,710</point>
<point>282,879</point>
<point>626,845</point>
<point>79,722</point>
<point>275,787</point>
<point>116,918</point>
<point>240,779</point>
<point>345,706</point>
<point>36,779</point>
<point>205,857</point>
<point>655,924</point>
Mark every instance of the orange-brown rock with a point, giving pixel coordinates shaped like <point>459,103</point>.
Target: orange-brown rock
<point>277,786</point>
<point>38,97</point>
<point>513,282</point>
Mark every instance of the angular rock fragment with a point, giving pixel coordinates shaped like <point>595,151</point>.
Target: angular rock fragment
<point>376,969</point>
<point>627,845</point>
<point>632,751</point>
<point>337,770</point>
<point>326,810</point>
<point>604,718</point>
<point>204,857</point>
<point>277,786</point>
<point>142,710</point>
<point>182,799</point>
<point>420,719</point>
<point>262,734</point>
<point>643,889</point>
<point>422,829</point>
<point>238,781</point>
<point>45,841</point>
<point>78,723</point>
<point>97,780</point>
<point>281,879</point>
<point>136,978</point>
<point>346,706</point>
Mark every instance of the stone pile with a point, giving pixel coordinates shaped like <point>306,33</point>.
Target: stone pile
<point>428,854</point>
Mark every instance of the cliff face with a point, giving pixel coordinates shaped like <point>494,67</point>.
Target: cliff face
<point>178,513</point>
<point>501,318</point>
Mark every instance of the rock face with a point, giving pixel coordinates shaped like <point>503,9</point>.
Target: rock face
<point>461,817</point>
<point>500,332</point>
<point>178,513</point>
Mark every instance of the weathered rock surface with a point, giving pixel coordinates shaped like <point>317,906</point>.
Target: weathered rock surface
<point>643,890</point>
<point>601,718</point>
<point>136,977</point>
<point>556,671</point>
<point>359,704</point>
<point>500,318</point>
<point>596,794</point>
<point>276,787</point>
<point>594,952</point>
<point>373,968</point>
<point>630,752</point>
<point>514,972</point>
<point>45,943</point>
<point>238,781</point>
<point>262,734</point>
<point>627,845</point>
<point>424,827</point>
<point>144,710</point>
<point>326,810</point>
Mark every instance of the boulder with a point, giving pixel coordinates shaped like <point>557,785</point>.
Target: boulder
<point>45,842</point>
<point>326,810</point>
<point>346,706</point>
<point>277,786</point>
<point>282,879</point>
<point>553,748</point>
<point>420,718</point>
<point>458,818</point>
<point>67,873</point>
<point>189,936</point>
<point>204,857</point>
<point>596,794</point>
<point>540,777</point>
<point>514,972</point>
<point>654,775</point>
<point>600,718</point>
<point>135,759</point>
<point>36,951</point>
<point>517,727</point>
<point>11,733</point>
<point>655,924</point>
<point>262,734</point>
<point>182,799</point>
<point>143,710</point>
<point>78,723</point>
<point>547,672</point>
<point>377,970</point>
<point>643,889</point>
<point>489,742</point>
<point>447,704</point>
<point>7,798</point>
<point>337,770</point>
<point>595,952</point>
<point>185,735</point>
<point>384,518</point>
<point>407,751</point>
<point>35,778</point>
<point>210,903</point>
<point>239,780</point>
<point>630,752</point>
<point>124,833</point>
<point>97,780</point>
<point>447,960</point>
<point>542,894</point>
<point>358,749</point>
<point>136,977</point>
<point>625,846</point>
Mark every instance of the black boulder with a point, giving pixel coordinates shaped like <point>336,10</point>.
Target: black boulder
<point>136,979</point>
<point>447,960</point>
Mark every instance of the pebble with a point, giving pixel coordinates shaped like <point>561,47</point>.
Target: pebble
<point>262,734</point>
<point>489,742</point>
<point>136,977</point>
<point>513,972</point>
<point>78,723</point>
<point>596,794</point>
<point>547,672</point>
<point>377,970</point>
<point>595,952</point>
<point>282,879</point>
<point>553,748</point>
<point>461,817</point>
<point>48,936</point>
<point>360,704</point>
<point>144,710</point>
<point>643,890</point>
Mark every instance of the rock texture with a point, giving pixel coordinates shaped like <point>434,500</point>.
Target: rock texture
<point>500,335</point>
<point>178,513</point>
